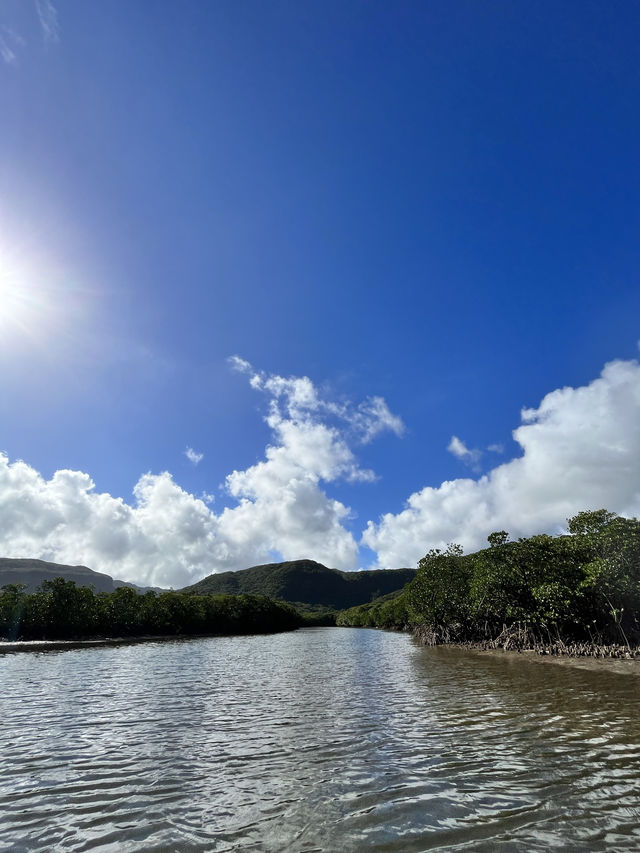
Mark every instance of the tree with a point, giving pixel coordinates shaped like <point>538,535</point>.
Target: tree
<point>590,522</point>
<point>12,599</point>
<point>499,537</point>
<point>438,596</point>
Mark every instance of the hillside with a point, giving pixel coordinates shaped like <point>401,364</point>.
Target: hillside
<point>307,584</point>
<point>33,572</point>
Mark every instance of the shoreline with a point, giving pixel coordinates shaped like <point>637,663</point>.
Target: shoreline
<point>618,665</point>
<point>18,646</point>
<point>580,654</point>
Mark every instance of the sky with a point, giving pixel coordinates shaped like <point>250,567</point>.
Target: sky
<point>344,281</point>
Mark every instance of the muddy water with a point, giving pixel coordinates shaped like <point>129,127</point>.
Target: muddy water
<point>320,740</point>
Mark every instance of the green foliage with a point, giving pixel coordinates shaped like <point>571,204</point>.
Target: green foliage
<point>389,611</point>
<point>12,602</point>
<point>319,619</point>
<point>590,523</point>
<point>612,576</point>
<point>584,587</point>
<point>61,610</point>
<point>307,585</point>
<point>441,588</point>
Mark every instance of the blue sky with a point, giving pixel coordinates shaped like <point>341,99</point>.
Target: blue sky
<point>433,205</point>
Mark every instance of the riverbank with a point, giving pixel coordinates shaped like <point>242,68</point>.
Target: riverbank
<point>520,641</point>
<point>17,646</point>
<point>618,659</point>
<point>622,666</point>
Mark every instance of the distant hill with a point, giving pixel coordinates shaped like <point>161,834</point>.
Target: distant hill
<point>33,572</point>
<point>306,584</point>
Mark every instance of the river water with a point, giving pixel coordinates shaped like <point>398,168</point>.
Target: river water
<point>326,739</point>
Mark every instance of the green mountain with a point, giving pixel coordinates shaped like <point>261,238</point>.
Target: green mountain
<point>32,572</point>
<point>306,584</point>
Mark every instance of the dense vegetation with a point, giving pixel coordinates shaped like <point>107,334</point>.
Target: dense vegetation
<point>389,611</point>
<point>576,590</point>
<point>581,589</point>
<point>62,610</point>
<point>308,585</point>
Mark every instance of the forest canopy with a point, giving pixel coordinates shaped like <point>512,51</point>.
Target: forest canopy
<point>61,610</point>
<point>582,587</point>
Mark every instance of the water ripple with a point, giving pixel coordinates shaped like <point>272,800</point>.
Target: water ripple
<point>322,740</point>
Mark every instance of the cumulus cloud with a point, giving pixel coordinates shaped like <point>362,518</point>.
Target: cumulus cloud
<point>169,537</point>
<point>193,455</point>
<point>580,450</point>
<point>162,539</point>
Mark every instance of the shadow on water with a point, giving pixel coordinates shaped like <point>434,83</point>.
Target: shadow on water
<point>323,740</point>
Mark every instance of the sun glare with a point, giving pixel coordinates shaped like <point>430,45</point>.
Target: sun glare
<point>43,308</point>
<point>14,301</point>
<point>26,306</point>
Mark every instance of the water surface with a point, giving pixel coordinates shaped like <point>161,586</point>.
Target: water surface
<point>320,740</point>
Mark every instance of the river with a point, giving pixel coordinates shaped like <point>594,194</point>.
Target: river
<point>326,739</point>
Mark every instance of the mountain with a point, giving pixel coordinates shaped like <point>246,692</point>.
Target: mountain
<point>33,572</point>
<point>306,584</point>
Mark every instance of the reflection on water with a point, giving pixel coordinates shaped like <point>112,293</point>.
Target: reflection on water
<point>322,740</point>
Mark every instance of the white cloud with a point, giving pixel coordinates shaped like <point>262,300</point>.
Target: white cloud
<point>373,417</point>
<point>169,537</point>
<point>298,397</point>
<point>48,17</point>
<point>460,450</point>
<point>239,364</point>
<point>193,455</point>
<point>496,448</point>
<point>581,450</point>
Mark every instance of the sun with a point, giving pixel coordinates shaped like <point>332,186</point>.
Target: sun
<point>27,306</point>
<point>18,296</point>
<point>44,306</point>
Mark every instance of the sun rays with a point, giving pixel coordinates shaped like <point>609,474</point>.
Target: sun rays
<point>39,304</point>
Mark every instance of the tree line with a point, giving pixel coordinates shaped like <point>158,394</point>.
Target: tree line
<point>61,610</point>
<point>582,588</point>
